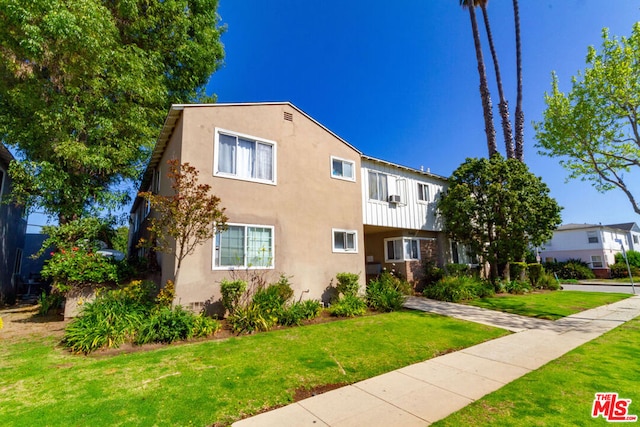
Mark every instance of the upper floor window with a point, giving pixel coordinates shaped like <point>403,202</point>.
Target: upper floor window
<point>246,246</point>
<point>402,249</point>
<point>378,186</point>
<point>423,192</point>
<point>343,169</point>
<point>245,157</point>
<point>635,239</point>
<point>592,236</point>
<point>345,241</point>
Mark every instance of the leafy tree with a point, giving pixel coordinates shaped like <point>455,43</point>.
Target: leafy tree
<point>594,128</point>
<point>497,208</point>
<point>186,218</point>
<point>85,85</point>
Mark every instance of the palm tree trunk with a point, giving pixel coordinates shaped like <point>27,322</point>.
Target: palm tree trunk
<point>503,105</point>
<point>519,113</point>
<point>484,87</point>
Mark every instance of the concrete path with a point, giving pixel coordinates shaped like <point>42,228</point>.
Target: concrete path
<point>622,288</point>
<point>425,392</point>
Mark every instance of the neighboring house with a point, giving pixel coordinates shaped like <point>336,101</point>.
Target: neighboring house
<point>633,234</point>
<point>13,226</point>
<point>294,193</point>
<point>596,245</point>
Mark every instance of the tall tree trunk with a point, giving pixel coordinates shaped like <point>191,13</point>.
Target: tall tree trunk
<point>503,105</point>
<point>519,113</point>
<point>484,87</point>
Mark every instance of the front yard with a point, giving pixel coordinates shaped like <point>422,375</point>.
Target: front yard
<point>213,382</point>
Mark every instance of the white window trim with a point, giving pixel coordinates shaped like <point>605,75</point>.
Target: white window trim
<point>216,150</point>
<point>404,258</point>
<point>592,234</point>
<point>244,267</point>
<point>353,168</point>
<point>344,251</point>
<point>601,262</point>
<point>429,191</point>
<point>371,200</point>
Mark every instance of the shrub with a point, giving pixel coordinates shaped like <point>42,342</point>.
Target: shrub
<point>457,270</point>
<point>231,292</point>
<point>571,269</point>
<point>283,288</point>
<point>535,273</point>
<point>548,281</point>
<point>248,319</point>
<point>483,289</point>
<point>205,326</point>
<point>632,256</point>
<point>108,321</point>
<point>294,314</point>
<point>620,271</point>
<point>517,269</point>
<point>518,287</point>
<point>166,295</point>
<point>166,325</point>
<point>384,294</point>
<point>348,283</point>
<point>77,267</point>
<point>48,302</point>
<point>141,291</point>
<point>452,289</point>
<point>431,273</point>
<point>349,306</point>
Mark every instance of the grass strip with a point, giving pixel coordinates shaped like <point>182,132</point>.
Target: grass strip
<point>215,382</point>
<point>548,305</point>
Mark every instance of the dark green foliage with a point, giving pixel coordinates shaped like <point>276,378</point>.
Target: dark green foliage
<point>384,293</point>
<point>430,273</point>
<point>632,256</point>
<point>571,269</point>
<point>166,325</point>
<point>620,271</point>
<point>497,208</point>
<point>296,313</point>
<point>283,288</point>
<point>518,287</point>
<point>549,282</point>
<point>457,270</point>
<point>517,270</point>
<point>535,271</point>
<point>49,302</point>
<point>452,289</point>
<point>349,306</point>
<point>231,292</point>
<point>270,302</point>
<point>108,321</point>
<point>348,283</point>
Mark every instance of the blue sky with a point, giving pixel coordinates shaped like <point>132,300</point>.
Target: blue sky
<point>398,80</point>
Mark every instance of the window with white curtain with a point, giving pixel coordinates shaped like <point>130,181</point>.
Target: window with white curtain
<point>378,186</point>
<point>245,157</point>
<point>401,249</point>
<point>423,192</point>
<point>246,246</point>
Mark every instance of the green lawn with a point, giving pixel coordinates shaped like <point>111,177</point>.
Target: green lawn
<point>561,393</point>
<point>548,305</point>
<point>214,381</point>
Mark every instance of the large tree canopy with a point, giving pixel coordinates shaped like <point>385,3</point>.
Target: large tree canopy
<point>498,209</point>
<point>85,86</point>
<point>594,128</point>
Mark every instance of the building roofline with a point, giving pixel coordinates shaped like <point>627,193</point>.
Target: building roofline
<point>407,168</point>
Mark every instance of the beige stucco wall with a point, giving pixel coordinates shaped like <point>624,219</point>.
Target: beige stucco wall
<point>303,207</point>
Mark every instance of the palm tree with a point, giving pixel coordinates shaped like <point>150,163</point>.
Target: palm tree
<point>519,112</point>
<point>484,86</point>
<point>503,105</point>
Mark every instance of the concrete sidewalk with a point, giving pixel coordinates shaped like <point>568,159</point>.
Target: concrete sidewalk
<point>420,394</point>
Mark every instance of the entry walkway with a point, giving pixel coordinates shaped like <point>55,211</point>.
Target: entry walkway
<point>425,392</point>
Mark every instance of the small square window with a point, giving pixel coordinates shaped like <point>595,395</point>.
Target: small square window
<point>345,241</point>
<point>423,192</point>
<point>596,261</point>
<point>592,236</point>
<point>343,169</point>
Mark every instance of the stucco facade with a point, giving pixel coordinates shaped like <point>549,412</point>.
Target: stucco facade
<point>307,215</point>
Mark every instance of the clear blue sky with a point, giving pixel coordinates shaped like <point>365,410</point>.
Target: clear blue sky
<point>398,79</point>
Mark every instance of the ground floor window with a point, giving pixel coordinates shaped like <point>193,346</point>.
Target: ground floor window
<point>401,249</point>
<point>345,240</point>
<point>596,261</point>
<point>247,246</point>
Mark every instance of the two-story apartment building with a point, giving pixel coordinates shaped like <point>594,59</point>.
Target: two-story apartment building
<point>13,227</point>
<point>300,200</point>
<point>596,245</point>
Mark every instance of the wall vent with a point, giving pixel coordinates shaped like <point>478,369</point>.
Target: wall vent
<point>288,116</point>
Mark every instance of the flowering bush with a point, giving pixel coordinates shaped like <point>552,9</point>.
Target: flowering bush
<point>77,267</point>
